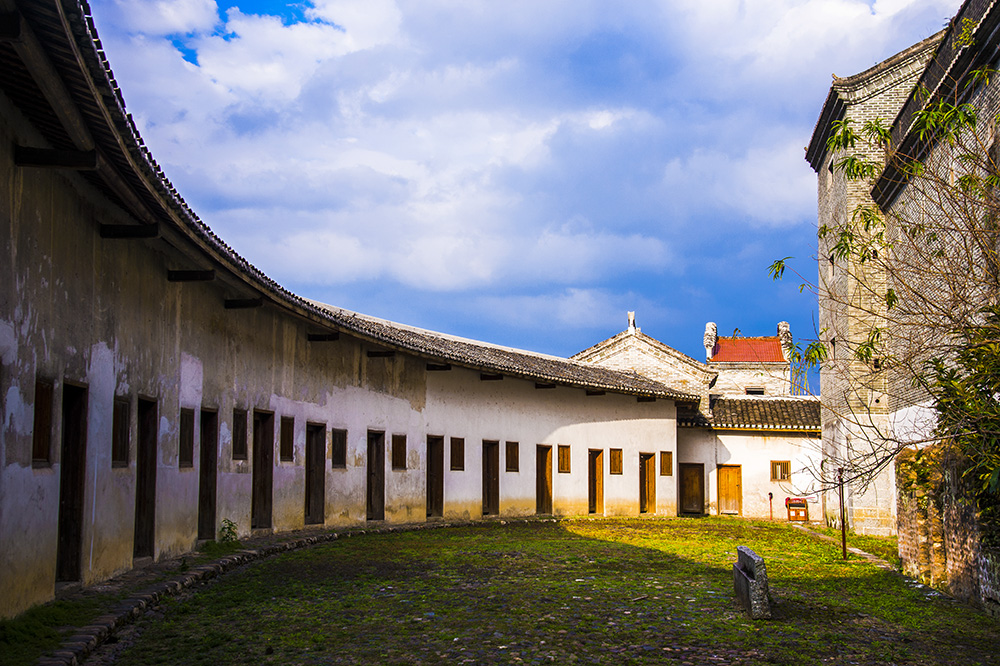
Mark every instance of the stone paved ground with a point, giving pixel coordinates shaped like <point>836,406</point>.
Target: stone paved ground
<point>141,588</point>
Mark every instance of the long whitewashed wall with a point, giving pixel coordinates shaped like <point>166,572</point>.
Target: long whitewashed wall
<point>99,314</point>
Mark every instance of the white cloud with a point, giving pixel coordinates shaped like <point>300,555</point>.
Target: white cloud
<point>452,147</point>
<point>571,308</point>
<point>775,43</point>
<point>768,184</point>
<point>167,17</point>
<point>366,23</point>
<point>262,57</point>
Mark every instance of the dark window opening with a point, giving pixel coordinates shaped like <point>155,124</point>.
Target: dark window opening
<point>239,434</point>
<point>286,447</point>
<point>511,458</point>
<point>399,451</point>
<point>41,436</point>
<point>185,452</point>
<point>120,433</point>
<point>457,454</point>
<point>338,449</point>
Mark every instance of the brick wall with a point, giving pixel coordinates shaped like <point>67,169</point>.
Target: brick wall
<point>939,534</point>
<point>855,413</point>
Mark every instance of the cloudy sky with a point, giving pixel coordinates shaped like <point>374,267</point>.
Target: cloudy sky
<point>522,172</point>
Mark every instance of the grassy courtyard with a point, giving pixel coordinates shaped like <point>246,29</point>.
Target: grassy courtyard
<point>586,591</point>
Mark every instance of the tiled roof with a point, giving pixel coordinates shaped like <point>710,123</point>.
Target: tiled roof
<point>853,89</point>
<point>129,177</point>
<point>495,358</point>
<point>755,413</point>
<point>748,350</point>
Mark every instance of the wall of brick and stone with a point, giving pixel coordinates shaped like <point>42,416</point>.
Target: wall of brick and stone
<point>940,540</point>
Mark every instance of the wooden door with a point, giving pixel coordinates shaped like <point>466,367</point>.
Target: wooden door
<point>491,478</point>
<point>730,490</point>
<point>543,479</point>
<point>207,473</point>
<point>263,470</point>
<point>315,508</point>
<point>72,478</point>
<point>647,483</point>
<point>145,481</point>
<point>692,487</point>
<point>435,476</point>
<point>375,504</point>
<point>595,481</point>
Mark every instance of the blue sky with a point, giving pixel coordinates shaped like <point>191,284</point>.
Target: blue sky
<point>519,172</point>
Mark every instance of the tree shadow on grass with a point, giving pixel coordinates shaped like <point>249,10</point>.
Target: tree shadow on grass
<point>605,591</point>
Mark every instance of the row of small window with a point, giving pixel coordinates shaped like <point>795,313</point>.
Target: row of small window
<point>41,445</point>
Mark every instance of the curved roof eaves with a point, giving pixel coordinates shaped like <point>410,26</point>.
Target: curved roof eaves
<point>119,139</point>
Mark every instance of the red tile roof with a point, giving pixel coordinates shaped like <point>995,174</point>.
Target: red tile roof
<point>748,350</point>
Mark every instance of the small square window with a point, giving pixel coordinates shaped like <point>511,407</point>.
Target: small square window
<point>338,449</point>
<point>185,454</point>
<point>564,461</point>
<point>666,463</point>
<point>615,466</point>
<point>239,434</point>
<point>457,454</point>
<point>781,470</point>
<point>399,451</point>
<point>286,449</point>
<point>512,457</point>
<point>120,433</point>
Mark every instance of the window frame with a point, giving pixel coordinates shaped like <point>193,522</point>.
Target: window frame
<point>185,439</point>
<point>512,463</point>
<point>668,457</point>
<point>41,434</point>
<point>338,448</point>
<point>398,451</point>
<point>780,466</point>
<point>565,456</point>
<point>240,441</point>
<point>456,454</point>
<point>286,439</point>
<point>121,426</point>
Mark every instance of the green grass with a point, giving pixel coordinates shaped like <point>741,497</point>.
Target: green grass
<point>213,550</point>
<point>886,548</point>
<point>41,629</point>
<point>594,591</point>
